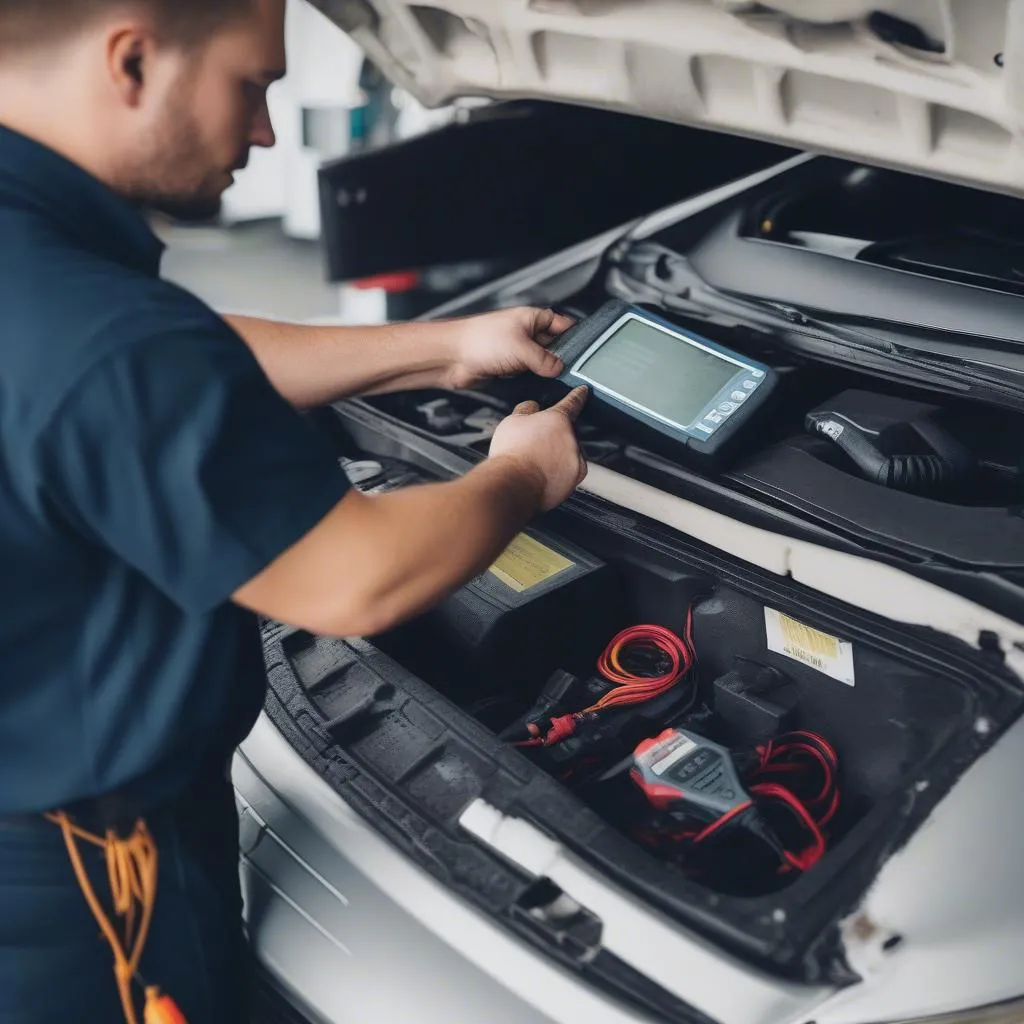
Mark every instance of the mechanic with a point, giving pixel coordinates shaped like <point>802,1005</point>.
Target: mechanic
<point>159,488</point>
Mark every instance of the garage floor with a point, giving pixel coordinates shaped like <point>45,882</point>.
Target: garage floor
<point>250,268</point>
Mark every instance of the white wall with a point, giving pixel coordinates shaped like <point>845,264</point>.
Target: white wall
<point>323,79</point>
<point>323,76</point>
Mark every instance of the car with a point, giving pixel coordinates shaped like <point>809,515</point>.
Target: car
<point>562,795</point>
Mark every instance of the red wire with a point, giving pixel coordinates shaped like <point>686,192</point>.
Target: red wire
<point>790,754</point>
<point>809,857</point>
<point>813,745</point>
<point>691,648</point>
<point>819,741</point>
<point>723,820</point>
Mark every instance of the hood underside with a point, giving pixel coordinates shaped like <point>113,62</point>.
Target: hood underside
<point>932,86</point>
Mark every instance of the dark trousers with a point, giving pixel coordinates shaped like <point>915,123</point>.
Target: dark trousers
<point>55,967</point>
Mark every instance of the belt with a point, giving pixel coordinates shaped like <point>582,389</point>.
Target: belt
<point>121,809</point>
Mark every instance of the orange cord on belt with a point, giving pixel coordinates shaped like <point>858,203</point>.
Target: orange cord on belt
<point>132,870</point>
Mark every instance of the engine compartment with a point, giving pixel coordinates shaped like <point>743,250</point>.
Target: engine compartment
<point>521,649</point>
<point>437,714</point>
<point>885,724</point>
<point>538,661</point>
<point>434,714</point>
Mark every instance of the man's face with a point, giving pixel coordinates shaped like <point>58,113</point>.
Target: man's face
<point>206,110</point>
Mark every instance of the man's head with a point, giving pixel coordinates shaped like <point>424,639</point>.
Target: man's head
<point>162,99</point>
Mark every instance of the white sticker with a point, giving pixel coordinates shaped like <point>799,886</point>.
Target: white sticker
<point>679,747</point>
<point>827,654</point>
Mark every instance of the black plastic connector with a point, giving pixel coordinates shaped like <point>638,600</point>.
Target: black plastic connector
<point>552,700</point>
<point>754,702</point>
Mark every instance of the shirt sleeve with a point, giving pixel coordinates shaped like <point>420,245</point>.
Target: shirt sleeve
<point>176,453</point>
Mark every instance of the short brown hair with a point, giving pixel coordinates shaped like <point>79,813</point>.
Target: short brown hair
<point>35,22</point>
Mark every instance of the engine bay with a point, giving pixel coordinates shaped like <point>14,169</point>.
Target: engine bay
<point>591,654</point>
<point>738,751</point>
<point>727,735</point>
<point>577,662</point>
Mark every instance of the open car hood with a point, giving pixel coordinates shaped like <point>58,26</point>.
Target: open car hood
<point>933,86</point>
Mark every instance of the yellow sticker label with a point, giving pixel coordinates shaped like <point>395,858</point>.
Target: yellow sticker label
<point>526,563</point>
<point>796,634</point>
<point>802,643</point>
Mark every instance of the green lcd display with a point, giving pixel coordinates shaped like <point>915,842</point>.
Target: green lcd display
<point>644,365</point>
<point>681,385</point>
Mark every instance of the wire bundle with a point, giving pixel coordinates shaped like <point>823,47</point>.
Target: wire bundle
<point>641,663</point>
<point>631,687</point>
<point>785,775</point>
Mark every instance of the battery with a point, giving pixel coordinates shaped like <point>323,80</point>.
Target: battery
<point>543,605</point>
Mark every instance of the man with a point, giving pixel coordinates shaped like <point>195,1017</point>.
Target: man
<point>158,488</point>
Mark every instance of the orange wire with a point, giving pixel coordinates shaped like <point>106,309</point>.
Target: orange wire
<point>631,688</point>
<point>132,871</point>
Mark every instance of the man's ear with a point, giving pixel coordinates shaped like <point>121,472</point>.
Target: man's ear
<point>128,51</point>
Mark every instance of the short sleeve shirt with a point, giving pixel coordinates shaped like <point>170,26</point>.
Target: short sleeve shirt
<point>148,469</point>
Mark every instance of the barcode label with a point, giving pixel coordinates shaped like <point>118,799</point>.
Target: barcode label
<point>820,651</point>
<point>818,645</point>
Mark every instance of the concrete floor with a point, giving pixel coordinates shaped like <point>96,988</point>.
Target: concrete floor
<point>250,268</point>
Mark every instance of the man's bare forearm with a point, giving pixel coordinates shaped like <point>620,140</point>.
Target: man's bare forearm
<point>461,527</point>
<point>377,561</point>
<point>313,366</point>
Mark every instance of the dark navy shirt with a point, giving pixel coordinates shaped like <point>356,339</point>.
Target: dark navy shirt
<point>147,470</point>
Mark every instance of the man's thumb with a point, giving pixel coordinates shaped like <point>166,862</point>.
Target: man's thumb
<point>544,363</point>
<point>526,409</point>
<point>572,404</point>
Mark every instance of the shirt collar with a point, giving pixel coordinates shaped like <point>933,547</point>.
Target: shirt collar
<point>35,177</point>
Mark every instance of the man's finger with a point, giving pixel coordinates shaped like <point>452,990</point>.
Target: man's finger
<point>526,409</point>
<point>548,326</point>
<point>572,404</point>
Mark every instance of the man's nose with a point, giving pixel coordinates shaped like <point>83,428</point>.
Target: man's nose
<point>263,134</point>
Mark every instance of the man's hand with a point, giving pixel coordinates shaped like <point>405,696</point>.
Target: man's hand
<point>545,445</point>
<point>503,344</point>
<point>312,366</point>
<point>377,560</point>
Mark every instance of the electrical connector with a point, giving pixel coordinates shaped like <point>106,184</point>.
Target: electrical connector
<point>754,702</point>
